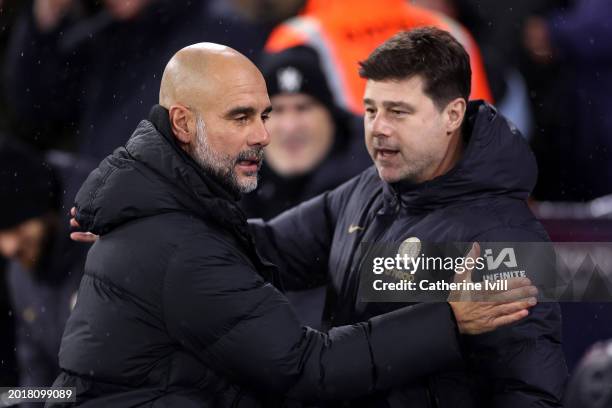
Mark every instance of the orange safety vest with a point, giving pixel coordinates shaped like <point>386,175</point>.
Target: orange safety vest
<point>345,32</point>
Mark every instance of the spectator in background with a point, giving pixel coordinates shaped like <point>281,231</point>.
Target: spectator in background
<point>344,32</point>
<point>95,71</point>
<point>45,266</point>
<point>8,371</point>
<point>580,40</point>
<point>495,25</point>
<point>315,146</point>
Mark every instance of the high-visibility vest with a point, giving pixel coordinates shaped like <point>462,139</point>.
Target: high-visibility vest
<point>345,32</point>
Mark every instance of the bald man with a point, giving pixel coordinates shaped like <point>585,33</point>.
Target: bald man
<point>176,307</point>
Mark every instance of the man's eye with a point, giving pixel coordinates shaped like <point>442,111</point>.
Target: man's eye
<point>397,112</point>
<point>242,119</point>
<point>370,111</point>
<point>265,117</point>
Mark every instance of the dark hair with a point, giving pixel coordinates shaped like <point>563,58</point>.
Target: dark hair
<point>434,54</point>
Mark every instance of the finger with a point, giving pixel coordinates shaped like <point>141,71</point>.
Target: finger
<point>514,283</point>
<point>87,237</point>
<point>74,223</point>
<point>73,212</point>
<point>510,308</point>
<point>475,252</point>
<point>466,275</point>
<point>514,294</point>
<point>509,319</point>
<point>473,255</point>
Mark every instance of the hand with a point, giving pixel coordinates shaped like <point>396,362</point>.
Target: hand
<point>77,236</point>
<point>48,13</point>
<point>482,311</point>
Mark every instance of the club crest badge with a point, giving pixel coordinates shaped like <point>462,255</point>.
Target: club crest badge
<point>289,79</point>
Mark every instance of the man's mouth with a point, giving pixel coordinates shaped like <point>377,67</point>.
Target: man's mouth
<point>249,161</point>
<point>249,165</point>
<point>385,153</point>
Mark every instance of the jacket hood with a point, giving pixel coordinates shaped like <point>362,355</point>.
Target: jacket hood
<point>496,161</point>
<point>152,175</point>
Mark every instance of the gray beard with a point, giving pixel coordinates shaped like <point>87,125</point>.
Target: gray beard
<point>221,165</point>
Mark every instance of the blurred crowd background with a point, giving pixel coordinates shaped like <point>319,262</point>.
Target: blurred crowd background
<point>78,75</point>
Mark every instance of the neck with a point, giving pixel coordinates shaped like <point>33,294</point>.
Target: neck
<point>451,157</point>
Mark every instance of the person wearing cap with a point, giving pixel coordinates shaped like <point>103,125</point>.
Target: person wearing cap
<point>44,266</point>
<point>346,32</point>
<point>314,145</point>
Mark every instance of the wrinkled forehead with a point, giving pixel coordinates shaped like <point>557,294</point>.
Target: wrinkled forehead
<point>236,85</point>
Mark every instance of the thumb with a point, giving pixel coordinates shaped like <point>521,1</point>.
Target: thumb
<point>466,275</point>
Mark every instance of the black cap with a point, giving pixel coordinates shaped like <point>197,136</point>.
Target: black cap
<point>28,185</point>
<point>296,70</point>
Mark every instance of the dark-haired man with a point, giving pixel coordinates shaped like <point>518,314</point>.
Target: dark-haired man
<point>445,170</point>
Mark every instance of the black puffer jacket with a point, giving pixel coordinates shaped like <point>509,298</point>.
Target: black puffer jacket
<point>176,308</point>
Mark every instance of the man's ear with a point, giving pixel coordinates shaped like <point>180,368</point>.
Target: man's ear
<point>455,112</point>
<point>182,123</point>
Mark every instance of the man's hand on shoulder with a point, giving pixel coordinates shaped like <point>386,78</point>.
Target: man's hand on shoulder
<point>483,311</point>
<point>80,236</point>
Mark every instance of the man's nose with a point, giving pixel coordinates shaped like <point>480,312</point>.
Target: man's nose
<point>379,126</point>
<point>260,135</point>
